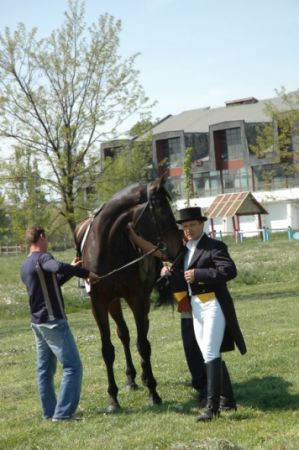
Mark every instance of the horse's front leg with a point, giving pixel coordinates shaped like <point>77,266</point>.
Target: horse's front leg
<point>116,313</point>
<point>144,349</point>
<point>100,313</point>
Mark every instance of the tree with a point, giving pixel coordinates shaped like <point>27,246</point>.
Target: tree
<point>26,196</point>
<point>187,169</point>
<point>141,127</point>
<point>4,221</point>
<point>131,165</point>
<point>129,162</point>
<point>61,95</point>
<point>278,138</point>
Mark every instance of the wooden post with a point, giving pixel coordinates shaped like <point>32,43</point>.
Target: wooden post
<point>238,222</point>
<point>260,225</point>
<point>212,228</point>
<point>234,227</point>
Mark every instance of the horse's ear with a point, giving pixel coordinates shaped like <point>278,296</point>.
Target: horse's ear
<point>159,183</point>
<point>162,180</point>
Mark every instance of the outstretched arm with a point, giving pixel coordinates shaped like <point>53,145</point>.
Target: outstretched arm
<point>146,246</point>
<point>66,271</point>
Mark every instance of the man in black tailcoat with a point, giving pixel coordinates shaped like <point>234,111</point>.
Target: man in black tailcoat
<point>203,269</point>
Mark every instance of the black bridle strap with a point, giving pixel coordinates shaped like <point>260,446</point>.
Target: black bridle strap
<point>141,213</point>
<point>149,205</point>
<point>154,216</point>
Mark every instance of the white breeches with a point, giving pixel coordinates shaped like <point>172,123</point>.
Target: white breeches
<point>209,326</point>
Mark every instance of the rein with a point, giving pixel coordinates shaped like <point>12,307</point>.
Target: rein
<point>134,261</point>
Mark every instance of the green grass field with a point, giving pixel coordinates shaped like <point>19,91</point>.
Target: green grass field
<point>266,379</point>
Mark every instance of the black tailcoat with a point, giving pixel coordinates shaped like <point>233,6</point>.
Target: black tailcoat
<point>213,267</point>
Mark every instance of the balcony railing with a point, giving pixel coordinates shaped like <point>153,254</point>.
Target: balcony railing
<point>210,184</point>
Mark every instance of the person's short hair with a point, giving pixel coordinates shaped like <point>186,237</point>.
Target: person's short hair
<point>33,233</point>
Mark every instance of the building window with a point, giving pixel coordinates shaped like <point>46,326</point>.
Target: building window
<point>175,186</point>
<point>234,144</point>
<point>170,149</point>
<point>201,184</point>
<point>207,184</point>
<point>236,180</point>
<point>272,176</point>
<point>174,153</point>
<point>199,143</point>
<point>215,183</point>
<point>268,177</point>
<point>228,146</point>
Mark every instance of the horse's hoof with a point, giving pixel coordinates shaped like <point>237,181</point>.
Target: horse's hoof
<point>131,387</point>
<point>113,408</point>
<point>155,400</point>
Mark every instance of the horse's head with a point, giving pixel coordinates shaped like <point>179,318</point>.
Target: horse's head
<point>154,219</point>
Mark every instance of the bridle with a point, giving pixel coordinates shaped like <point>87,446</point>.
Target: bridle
<point>150,206</point>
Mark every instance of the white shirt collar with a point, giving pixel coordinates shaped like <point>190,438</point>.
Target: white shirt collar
<point>191,245</point>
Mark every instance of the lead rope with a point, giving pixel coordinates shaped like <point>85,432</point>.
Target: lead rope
<point>134,261</point>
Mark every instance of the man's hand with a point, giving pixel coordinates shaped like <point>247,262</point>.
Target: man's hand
<point>76,261</point>
<point>165,271</point>
<point>189,276</point>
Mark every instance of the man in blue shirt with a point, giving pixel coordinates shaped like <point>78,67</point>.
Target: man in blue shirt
<point>43,276</point>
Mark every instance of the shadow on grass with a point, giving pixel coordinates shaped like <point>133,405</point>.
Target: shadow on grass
<point>189,407</point>
<point>267,393</point>
<point>270,295</point>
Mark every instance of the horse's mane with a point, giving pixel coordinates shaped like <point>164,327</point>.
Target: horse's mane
<point>128,192</point>
<point>123,200</point>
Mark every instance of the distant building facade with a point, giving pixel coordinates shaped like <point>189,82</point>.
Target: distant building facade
<point>223,162</point>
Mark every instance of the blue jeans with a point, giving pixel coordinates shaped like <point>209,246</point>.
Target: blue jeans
<point>54,341</point>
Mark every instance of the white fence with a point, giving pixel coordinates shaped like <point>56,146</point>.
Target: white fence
<point>11,249</point>
<point>264,233</point>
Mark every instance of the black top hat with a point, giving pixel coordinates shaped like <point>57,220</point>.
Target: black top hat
<point>193,213</point>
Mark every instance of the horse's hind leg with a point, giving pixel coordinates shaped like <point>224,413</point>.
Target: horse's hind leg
<point>144,349</point>
<point>101,316</point>
<point>123,333</point>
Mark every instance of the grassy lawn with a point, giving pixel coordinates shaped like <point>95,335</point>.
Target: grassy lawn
<point>266,379</point>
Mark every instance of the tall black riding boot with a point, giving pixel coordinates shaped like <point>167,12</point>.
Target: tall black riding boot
<point>213,385</point>
<point>227,399</point>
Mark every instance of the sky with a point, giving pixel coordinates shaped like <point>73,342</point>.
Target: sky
<point>193,53</point>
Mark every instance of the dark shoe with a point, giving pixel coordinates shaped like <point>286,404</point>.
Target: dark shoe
<point>207,415</point>
<point>227,404</point>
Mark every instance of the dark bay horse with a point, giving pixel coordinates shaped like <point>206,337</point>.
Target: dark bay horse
<point>106,249</point>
